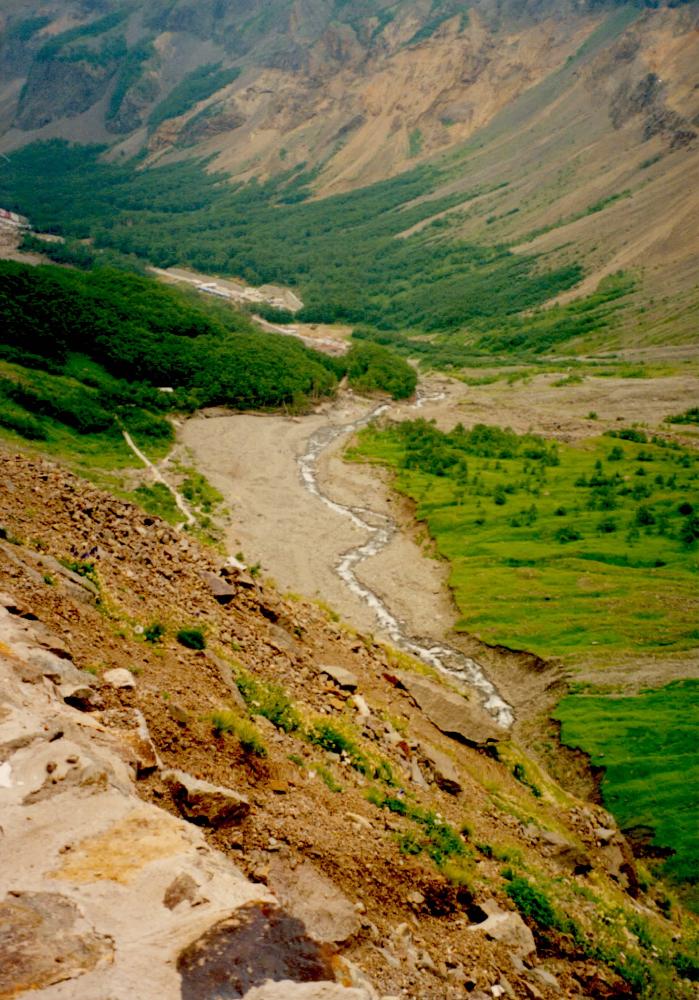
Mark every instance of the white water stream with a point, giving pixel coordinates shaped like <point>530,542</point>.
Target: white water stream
<point>381,529</point>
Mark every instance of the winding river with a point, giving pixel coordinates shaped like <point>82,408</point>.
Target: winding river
<point>381,528</point>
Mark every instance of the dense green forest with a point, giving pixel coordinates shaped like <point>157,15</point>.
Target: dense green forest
<point>135,335</point>
<point>346,254</point>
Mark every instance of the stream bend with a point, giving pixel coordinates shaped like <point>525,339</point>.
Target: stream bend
<point>381,529</point>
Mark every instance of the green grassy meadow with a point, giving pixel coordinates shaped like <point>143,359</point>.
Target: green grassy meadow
<point>647,745</point>
<point>581,553</point>
<point>587,552</point>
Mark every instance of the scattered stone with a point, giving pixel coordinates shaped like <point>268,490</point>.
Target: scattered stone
<point>442,768</point>
<point>359,820</point>
<point>415,898</point>
<point>451,713</point>
<point>220,590</point>
<point>416,775</point>
<point>604,835</point>
<point>344,679</point>
<point>146,756</point>
<point>509,929</point>
<point>119,678</point>
<point>44,939</point>
<point>309,896</point>
<point>203,803</point>
<point>286,990</point>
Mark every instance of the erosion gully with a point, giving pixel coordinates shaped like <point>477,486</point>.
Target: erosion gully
<point>381,528</point>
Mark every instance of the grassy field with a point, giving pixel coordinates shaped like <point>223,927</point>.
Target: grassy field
<point>647,745</point>
<point>582,552</point>
<point>589,553</point>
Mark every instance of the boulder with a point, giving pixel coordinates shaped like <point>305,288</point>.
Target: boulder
<point>442,769</point>
<point>344,679</point>
<point>508,928</point>
<point>450,712</point>
<point>307,894</point>
<point>203,803</point>
<point>119,678</point>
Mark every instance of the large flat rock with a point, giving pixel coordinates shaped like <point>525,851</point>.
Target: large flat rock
<point>449,711</point>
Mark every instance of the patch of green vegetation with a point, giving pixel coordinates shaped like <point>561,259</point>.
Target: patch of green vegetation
<point>440,12</point>
<point>158,500</point>
<point>191,638</point>
<point>556,549</point>
<point>371,368</point>
<point>646,744</point>
<point>328,778</point>
<point>434,836</point>
<point>690,416</point>
<point>88,570</point>
<point>59,46</point>
<point>415,143</point>
<point>343,252</point>
<point>28,27</point>
<point>268,700</point>
<point>130,72</point>
<point>224,722</point>
<point>143,332</point>
<point>154,633</point>
<point>200,84</point>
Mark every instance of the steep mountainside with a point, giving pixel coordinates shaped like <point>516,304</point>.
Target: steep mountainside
<point>406,844</point>
<point>564,130</point>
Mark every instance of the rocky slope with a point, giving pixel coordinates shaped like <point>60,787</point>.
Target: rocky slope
<point>292,783</point>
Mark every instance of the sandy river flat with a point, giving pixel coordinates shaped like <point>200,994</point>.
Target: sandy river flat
<point>253,461</point>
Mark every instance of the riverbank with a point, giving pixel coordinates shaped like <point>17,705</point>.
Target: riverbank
<point>370,564</point>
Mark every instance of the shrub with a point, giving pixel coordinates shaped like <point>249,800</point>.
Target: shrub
<point>226,722</point>
<point>567,534</point>
<point>191,638</point>
<point>532,903</point>
<point>154,632</point>
<point>329,736</point>
<point>270,701</point>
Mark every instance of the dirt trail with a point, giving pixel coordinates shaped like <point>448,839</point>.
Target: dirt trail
<point>159,478</point>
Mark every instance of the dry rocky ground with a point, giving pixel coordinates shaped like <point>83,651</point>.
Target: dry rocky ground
<point>151,856</point>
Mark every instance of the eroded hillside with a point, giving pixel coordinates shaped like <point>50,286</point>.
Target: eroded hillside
<point>424,851</point>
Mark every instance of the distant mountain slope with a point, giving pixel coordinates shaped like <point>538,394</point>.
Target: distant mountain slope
<point>578,120</point>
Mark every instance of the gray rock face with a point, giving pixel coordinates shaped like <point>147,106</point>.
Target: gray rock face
<point>450,712</point>
<point>308,895</point>
<point>203,803</point>
<point>44,939</point>
<point>91,864</point>
<point>344,679</point>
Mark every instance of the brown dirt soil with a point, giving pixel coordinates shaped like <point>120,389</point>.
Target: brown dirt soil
<point>148,572</point>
